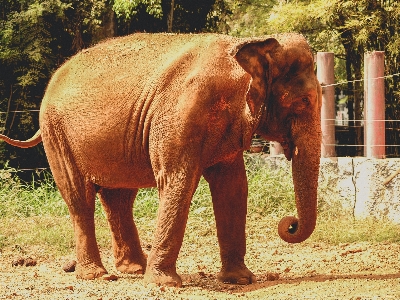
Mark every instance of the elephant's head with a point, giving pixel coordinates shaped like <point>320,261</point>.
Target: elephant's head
<point>285,100</point>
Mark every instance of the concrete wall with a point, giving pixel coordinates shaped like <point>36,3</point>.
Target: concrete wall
<point>356,183</point>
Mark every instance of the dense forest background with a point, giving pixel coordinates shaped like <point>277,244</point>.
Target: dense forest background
<point>36,37</point>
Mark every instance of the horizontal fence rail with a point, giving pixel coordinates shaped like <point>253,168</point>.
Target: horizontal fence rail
<point>359,80</point>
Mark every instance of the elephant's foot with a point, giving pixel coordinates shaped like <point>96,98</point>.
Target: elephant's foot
<point>131,268</point>
<point>131,264</point>
<point>90,271</point>
<point>237,275</point>
<point>163,278</point>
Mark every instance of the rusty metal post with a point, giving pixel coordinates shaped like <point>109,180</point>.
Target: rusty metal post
<point>326,76</point>
<point>275,149</point>
<point>374,111</point>
<point>366,57</point>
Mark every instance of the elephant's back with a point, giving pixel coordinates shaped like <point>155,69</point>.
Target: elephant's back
<point>122,67</point>
<point>139,72</point>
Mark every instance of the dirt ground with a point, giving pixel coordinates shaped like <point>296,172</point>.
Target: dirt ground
<point>305,271</point>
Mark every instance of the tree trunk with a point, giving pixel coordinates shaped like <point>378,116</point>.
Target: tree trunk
<point>170,19</point>
<point>357,104</point>
<point>109,24</point>
<point>353,66</point>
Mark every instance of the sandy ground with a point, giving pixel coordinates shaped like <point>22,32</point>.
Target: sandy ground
<point>305,271</point>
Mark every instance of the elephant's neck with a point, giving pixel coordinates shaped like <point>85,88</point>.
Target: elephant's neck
<point>256,110</point>
<point>253,119</point>
<point>256,97</point>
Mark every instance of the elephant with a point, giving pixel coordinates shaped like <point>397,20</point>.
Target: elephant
<point>162,110</point>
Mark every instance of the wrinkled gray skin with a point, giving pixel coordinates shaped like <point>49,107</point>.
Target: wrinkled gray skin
<point>163,110</point>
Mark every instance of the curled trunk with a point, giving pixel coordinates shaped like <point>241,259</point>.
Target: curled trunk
<point>305,168</point>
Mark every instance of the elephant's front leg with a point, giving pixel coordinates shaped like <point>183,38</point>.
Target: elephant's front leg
<point>228,185</point>
<point>176,189</point>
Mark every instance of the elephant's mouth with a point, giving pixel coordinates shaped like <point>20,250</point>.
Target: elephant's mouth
<point>288,147</point>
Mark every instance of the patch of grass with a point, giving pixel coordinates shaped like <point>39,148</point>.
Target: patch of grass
<point>201,203</point>
<point>346,229</point>
<point>51,233</point>
<point>146,203</point>
<point>18,199</point>
<point>3,241</point>
<point>270,189</point>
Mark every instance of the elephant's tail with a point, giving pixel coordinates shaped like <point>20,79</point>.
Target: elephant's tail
<point>33,141</point>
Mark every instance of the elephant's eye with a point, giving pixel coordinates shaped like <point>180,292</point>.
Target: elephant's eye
<point>306,100</point>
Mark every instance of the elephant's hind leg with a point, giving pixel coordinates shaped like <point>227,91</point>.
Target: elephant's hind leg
<point>128,254</point>
<point>78,192</point>
<point>81,207</point>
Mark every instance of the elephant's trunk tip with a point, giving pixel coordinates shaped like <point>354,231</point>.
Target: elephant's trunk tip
<point>290,231</point>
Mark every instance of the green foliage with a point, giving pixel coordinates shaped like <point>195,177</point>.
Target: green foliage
<point>127,9</point>
<point>249,17</point>
<point>146,203</point>
<point>25,200</point>
<point>198,16</point>
<point>35,38</point>
<point>31,35</point>
<point>270,188</point>
<point>25,41</point>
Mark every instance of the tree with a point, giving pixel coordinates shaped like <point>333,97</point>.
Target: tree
<point>169,15</point>
<point>35,38</point>
<point>248,17</point>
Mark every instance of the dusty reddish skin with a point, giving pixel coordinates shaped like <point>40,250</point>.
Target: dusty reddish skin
<point>162,110</point>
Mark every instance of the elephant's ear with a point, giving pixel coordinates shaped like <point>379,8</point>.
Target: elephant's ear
<point>254,57</point>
